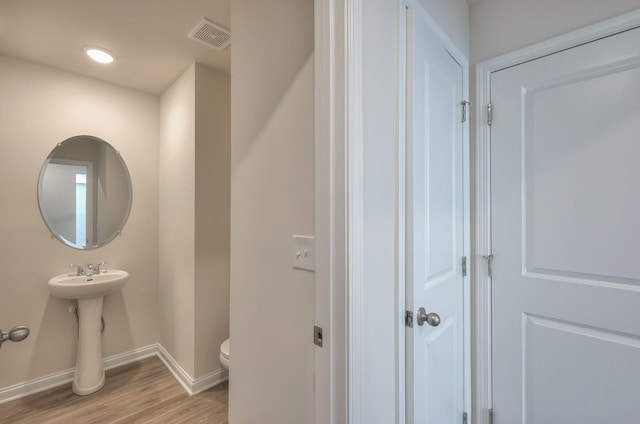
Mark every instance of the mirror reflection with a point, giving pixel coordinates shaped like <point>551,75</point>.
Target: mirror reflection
<point>84,192</point>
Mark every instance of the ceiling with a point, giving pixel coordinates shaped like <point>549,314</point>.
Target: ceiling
<point>149,37</point>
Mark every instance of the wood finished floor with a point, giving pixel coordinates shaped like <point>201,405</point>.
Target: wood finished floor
<point>141,392</point>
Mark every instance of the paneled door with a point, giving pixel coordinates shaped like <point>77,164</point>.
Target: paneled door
<point>434,228</point>
<point>565,199</point>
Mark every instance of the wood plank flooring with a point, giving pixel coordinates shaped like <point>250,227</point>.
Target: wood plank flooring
<point>137,393</point>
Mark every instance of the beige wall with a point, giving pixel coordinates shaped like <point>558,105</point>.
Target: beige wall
<point>212,215</point>
<point>194,219</point>
<point>177,210</point>
<point>40,107</point>
<point>453,18</point>
<point>500,26</point>
<point>272,198</point>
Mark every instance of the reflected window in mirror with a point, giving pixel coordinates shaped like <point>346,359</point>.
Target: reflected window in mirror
<point>81,208</point>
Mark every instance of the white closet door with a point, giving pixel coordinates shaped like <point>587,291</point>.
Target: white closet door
<point>565,184</point>
<point>435,360</point>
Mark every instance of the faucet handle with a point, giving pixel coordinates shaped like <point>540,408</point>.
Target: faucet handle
<point>97,268</point>
<point>80,270</point>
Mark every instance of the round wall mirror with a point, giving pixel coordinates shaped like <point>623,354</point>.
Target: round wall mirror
<point>84,192</point>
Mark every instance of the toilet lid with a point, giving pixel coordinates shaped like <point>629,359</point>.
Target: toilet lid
<point>224,348</point>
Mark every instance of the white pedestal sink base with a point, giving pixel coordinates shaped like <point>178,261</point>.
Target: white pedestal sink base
<point>87,391</point>
<point>89,375</point>
<point>89,291</point>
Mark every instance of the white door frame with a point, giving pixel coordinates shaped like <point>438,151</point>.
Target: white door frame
<point>339,382</point>
<point>331,213</point>
<point>338,210</point>
<point>482,363</point>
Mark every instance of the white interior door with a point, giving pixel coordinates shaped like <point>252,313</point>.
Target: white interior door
<point>565,184</point>
<point>434,224</point>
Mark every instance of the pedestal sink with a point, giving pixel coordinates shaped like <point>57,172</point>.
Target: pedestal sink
<point>89,291</point>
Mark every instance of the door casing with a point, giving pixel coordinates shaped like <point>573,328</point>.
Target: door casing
<point>340,394</point>
<point>483,401</point>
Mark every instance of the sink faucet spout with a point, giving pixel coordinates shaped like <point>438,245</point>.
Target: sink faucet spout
<point>80,270</point>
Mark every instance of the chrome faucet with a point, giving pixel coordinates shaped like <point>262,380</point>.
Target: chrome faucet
<point>91,269</point>
<point>80,270</point>
<point>96,269</point>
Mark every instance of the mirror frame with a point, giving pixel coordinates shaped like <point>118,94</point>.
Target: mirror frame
<point>126,214</point>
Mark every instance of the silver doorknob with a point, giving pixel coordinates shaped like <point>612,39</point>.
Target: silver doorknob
<point>16,334</point>
<point>432,318</point>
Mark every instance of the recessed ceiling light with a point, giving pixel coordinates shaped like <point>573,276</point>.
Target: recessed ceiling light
<point>99,55</point>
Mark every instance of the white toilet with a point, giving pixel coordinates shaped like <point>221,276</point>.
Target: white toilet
<point>224,354</point>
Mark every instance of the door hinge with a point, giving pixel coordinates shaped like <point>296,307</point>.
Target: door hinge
<point>489,114</point>
<point>489,260</point>
<point>491,416</point>
<point>465,418</point>
<point>464,266</point>
<point>464,104</point>
<point>408,319</point>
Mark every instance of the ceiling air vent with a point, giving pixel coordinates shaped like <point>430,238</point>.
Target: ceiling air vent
<point>211,34</point>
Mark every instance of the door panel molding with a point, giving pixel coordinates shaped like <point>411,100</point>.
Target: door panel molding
<point>483,401</point>
<point>578,347</point>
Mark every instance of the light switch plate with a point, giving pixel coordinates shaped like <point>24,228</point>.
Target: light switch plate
<point>303,253</point>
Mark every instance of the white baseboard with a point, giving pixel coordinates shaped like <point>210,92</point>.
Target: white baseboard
<point>131,356</point>
<point>190,385</point>
<point>36,385</point>
<point>212,379</point>
<point>62,377</point>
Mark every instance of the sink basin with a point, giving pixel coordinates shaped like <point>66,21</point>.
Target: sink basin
<point>72,286</point>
